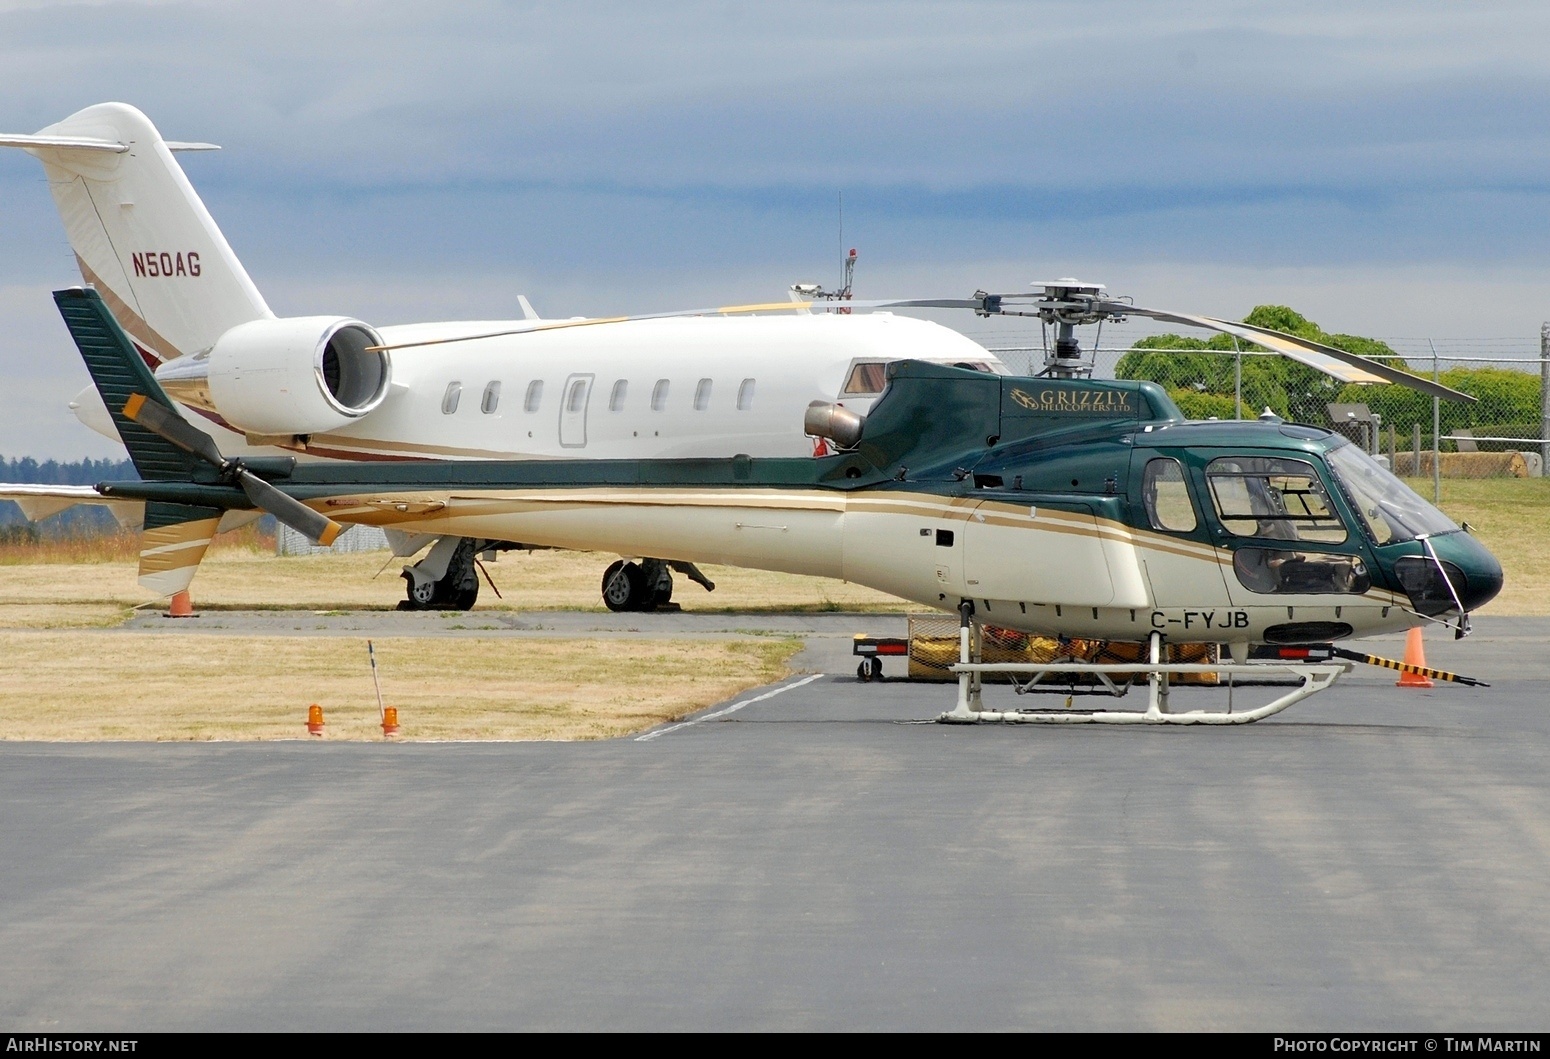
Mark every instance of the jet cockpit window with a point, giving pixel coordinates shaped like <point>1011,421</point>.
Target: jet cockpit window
<point>535,396</point>
<point>702,395</point>
<point>616,397</point>
<point>1167,497</point>
<point>1391,510</point>
<point>1273,498</point>
<point>867,377</point>
<point>745,395</point>
<point>492,398</point>
<point>659,395</point>
<point>450,399</point>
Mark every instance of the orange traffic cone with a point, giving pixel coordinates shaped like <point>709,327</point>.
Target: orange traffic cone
<point>182,606</point>
<point>1415,655</point>
<point>315,720</point>
<point>389,722</point>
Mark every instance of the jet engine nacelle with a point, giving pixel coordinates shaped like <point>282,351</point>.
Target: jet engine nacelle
<point>303,375</point>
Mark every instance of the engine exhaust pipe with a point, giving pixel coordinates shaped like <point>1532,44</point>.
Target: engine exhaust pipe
<point>825,419</point>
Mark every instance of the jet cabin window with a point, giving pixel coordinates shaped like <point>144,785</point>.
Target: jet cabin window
<point>535,396</point>
<point>659,395</point>
<point>867,378</point>
<point>450,399</point>
<point>578,396</point>
<point>745,395</point>
<point>702,395</point>
<point>616,396</point>
<point>1275,499</point>
<point>492,398</point>
<point>1167,497</point>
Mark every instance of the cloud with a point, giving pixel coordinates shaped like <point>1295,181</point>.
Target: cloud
<point>608,156</point>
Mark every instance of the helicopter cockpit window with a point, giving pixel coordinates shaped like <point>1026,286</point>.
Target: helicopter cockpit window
<point>868,377</point>
<point>1167,497</point>
<point>1392,510</point>
<point>1274,499</point>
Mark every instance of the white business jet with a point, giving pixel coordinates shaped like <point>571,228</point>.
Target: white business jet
<point>335,388</point>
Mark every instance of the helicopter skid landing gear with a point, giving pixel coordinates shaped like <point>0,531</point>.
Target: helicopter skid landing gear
<point>1314,678</point>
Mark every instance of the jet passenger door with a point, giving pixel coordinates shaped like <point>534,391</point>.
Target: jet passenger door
<point>573,411</point>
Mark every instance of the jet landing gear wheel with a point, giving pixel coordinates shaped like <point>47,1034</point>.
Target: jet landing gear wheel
<point>420,595</point>
<point>623,586</point>
<point>639,586</point>
<point>645,585</point>
<point>870,669</point>
<point>456,589</point>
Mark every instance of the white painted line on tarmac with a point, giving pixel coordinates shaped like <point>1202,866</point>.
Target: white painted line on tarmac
<point>729,709</point>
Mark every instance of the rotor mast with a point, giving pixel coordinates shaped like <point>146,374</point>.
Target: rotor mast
<point>1067,304</point>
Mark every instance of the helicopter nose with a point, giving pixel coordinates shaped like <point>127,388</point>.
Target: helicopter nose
<point>1482,572</point>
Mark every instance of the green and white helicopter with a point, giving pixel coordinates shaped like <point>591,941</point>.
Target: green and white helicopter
<point>1057,504</point>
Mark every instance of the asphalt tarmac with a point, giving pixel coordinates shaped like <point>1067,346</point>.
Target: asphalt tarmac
<point>1374,858</point>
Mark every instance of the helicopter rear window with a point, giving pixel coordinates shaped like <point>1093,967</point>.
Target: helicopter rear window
<point>1271,498</point>
<point>1167,497</point>
<point>867,378</point>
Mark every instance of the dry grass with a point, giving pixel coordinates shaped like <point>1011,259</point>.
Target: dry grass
<point>1510,516</point>
<point>241,574</point>
<point>155,686</point>
<point>120,547</point>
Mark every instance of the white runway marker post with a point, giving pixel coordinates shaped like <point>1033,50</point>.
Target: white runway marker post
<point>371,653</point>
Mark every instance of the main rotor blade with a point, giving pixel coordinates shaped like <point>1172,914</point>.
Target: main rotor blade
<point>720,310</point>
<point>161,420</point>
<point>1348,367</point>
<point>317,528</point>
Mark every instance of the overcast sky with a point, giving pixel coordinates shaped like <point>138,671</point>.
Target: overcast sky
<point>1381,166</point>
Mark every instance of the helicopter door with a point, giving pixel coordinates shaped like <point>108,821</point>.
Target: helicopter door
<point>573,411</point>
<point>1182,567</point>
<point>1287,537</point>
<point>1064,564</point>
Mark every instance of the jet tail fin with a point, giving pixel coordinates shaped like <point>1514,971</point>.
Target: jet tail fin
<point>140,233</point>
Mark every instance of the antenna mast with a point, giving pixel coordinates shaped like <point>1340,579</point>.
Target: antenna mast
<point>816,292</point>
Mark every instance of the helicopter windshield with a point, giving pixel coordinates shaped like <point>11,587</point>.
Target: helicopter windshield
<point>1391,510</point>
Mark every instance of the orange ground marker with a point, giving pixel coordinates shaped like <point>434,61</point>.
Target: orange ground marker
<point>389,722</point>
<point>182,606</point>
<point>315,719</point>
<point>1415,655</point>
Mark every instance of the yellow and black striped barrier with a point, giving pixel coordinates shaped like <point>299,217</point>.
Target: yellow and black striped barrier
<point>1405,667</point>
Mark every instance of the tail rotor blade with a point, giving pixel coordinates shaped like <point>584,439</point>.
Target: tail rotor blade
<point>161,420</point>
<point>317,528</point>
